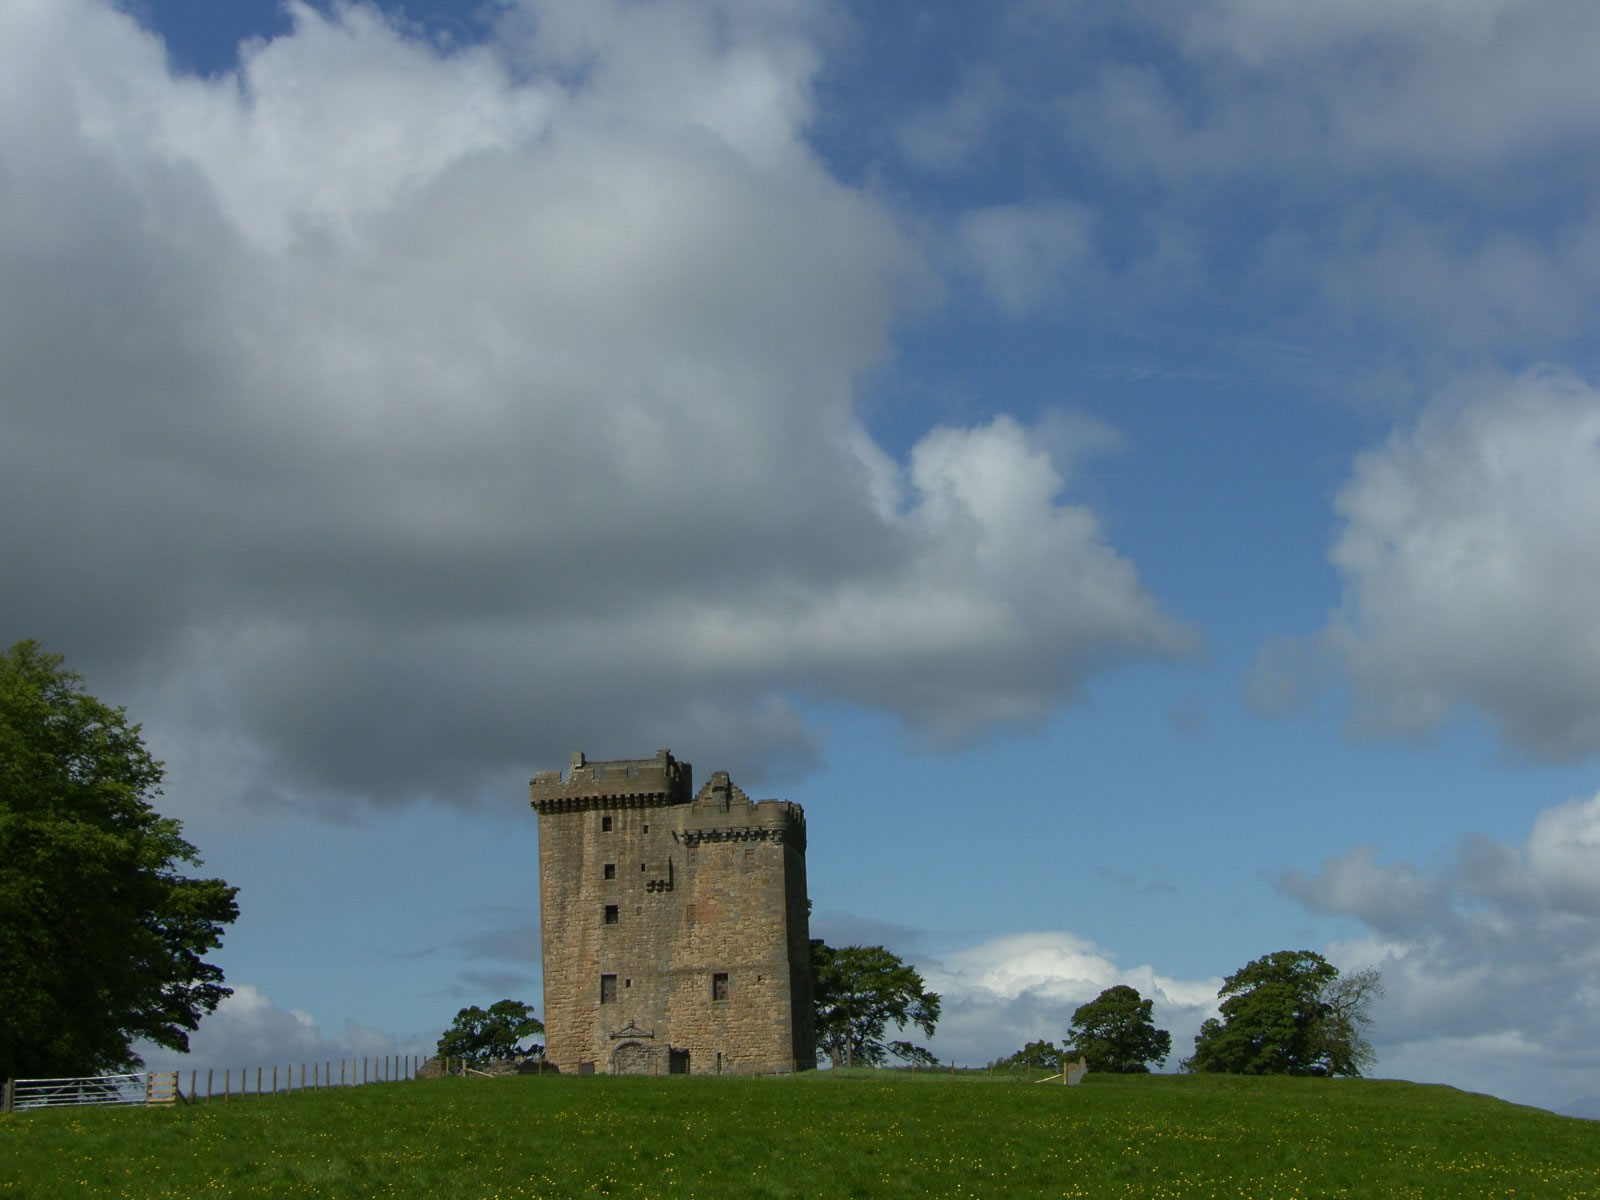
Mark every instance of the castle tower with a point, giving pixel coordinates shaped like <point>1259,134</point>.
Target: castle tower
<point>675,924</point>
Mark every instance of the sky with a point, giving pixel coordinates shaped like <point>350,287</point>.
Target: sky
<point>1128,471</point>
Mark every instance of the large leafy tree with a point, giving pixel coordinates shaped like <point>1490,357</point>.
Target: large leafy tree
<point>487,1035</point>
<point>859,991</point>
<point>1288,1013</point>
<point>101,935</point>
<point>1114,1033</point>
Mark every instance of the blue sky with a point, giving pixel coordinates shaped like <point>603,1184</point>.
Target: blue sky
<point>1128,471</point>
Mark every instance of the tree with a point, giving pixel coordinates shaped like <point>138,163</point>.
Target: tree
<point>858,991</point>
<point>1035,1056</point>
<point>101,937</point>
<point>1288,1013</point>
<point>486,1036</point>
<point>916,1056</point>
<point>1114,1033</point>
<point>1349,1000</point>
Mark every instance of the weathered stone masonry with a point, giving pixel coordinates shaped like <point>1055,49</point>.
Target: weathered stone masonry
<point>675,925</point>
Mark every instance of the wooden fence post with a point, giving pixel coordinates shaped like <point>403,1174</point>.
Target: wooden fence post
<point>5,1099</point>
<point>208,1083</point>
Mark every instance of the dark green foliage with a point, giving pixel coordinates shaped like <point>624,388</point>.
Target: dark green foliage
<point>487,1036</point>
<point>1114,1033</point>
<point>1288,1013</point>
<point>859,991</point>
<point>916,1056</point>
<point>1035,1056</point>
<point>100,937</point>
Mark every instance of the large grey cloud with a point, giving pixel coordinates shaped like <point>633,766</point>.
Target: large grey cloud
<point>386,417</point>
<point>1490,958</point>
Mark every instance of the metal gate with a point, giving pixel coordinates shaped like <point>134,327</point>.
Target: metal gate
<point>90,1089</point>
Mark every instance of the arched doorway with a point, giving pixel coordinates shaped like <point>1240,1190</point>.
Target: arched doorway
<point>633,1058</point>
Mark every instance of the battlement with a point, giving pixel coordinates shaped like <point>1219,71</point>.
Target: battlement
<point>617,783</point>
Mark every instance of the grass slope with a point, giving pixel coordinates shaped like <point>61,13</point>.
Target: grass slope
<point>815,1135</point>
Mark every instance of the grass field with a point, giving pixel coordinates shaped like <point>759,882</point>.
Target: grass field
<point>815,1136</point>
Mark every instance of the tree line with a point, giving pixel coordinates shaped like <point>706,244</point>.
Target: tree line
<point>103,937</point>
<point>1287,1013</point>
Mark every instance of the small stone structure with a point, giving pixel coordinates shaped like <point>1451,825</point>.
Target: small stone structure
<point>675,923</point>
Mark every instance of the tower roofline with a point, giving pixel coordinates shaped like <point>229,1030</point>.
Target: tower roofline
<point>614,783</point>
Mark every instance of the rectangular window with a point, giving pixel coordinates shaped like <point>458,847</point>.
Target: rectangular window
<point>719,986</point>
<point>608,989</point>
<point>611,870</point>
<point>611,914</point>
<point>749,855</point>
<point>647,826</point>
<point>688,913</point>
<point>605,824</point>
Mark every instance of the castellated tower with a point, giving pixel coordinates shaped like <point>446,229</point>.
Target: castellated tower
<point>675,926</point>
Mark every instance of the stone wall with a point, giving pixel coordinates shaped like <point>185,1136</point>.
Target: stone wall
<point>675,927</point>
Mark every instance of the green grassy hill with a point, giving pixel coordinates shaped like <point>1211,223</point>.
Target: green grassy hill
<point>815,1136</point>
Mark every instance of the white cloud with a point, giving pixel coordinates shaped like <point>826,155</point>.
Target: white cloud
<point>1469,563</point>
<point>248,1030</point>
<point>384,415</point>
<point>1490,961</point>
<point>1000,994</point>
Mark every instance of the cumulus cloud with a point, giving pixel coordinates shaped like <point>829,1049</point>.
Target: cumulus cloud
<point>1490,959</point>
<point>249,1030</point>
<point>1003,993</point>
<point>388,416</point>
<point>1469,562</point>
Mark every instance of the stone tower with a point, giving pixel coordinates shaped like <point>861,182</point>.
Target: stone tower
<point>675,924</point>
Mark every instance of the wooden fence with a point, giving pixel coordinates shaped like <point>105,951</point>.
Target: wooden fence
<point>250,1082</point>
